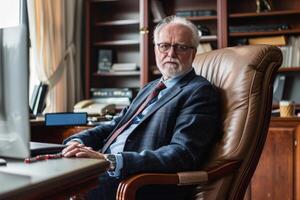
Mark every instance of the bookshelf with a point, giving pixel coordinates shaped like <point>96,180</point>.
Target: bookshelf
<point>126,28</point>
<point>112,25</point>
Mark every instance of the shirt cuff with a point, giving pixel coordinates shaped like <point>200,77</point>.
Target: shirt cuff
<point>119,166</point>
<point>77,140</point>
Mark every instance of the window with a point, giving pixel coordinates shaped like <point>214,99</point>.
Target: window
<point>10,14</point>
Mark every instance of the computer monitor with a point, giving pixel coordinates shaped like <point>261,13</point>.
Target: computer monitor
<point>14,109</point>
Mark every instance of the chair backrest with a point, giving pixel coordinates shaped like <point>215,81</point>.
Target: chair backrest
<point>244,76</point>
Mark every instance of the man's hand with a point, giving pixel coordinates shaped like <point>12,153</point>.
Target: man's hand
<point>75,149</point>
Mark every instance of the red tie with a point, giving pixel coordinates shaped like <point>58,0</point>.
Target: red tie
<point>160,86</point>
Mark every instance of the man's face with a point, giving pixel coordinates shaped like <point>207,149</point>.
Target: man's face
<point>176,59</point>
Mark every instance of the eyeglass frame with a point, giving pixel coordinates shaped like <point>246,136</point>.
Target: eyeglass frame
<point>175,47</point>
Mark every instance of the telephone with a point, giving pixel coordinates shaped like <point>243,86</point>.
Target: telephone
<point>95,107</point>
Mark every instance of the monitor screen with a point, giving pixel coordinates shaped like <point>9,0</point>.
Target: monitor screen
<point>14,111</point>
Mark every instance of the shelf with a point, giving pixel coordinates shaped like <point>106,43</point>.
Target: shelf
<point>121,73</point>
<point>262,33</point>
<point>263,14</point>
<point>117,43</point>
<point>202,18</point>
<point>118,22</point>
<point>289,69</point>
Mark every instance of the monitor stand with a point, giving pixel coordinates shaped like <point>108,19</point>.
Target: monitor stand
<point>2,162</point>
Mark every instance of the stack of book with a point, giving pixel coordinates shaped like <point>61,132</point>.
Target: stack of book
<point>195,13</point>
<point>280,40</point>
<point>120,97</point>
<point>111,92</point>
<point>291,52</point>
<point>258,27</point>
<point>117,67</point>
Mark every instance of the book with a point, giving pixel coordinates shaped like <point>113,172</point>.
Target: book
<point>272,40</point>
<point>111,92</point>
<point>157,10</point>
<point>124,67</point>
<point>295,42</point>
<point>105,60</point>
<point>195,13</point>
<point>278,88</point>
<point>258,27</point>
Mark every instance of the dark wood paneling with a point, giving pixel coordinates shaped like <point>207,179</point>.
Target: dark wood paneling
<point>274,176</point>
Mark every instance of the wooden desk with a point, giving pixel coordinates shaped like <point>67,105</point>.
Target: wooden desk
<point>50,179</point>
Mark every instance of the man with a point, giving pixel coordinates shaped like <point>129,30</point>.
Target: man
<point>172,132</point>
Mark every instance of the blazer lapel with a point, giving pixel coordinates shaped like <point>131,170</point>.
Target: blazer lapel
<point>170,94</point>
<point>163,100</point>
<point>137,102</point>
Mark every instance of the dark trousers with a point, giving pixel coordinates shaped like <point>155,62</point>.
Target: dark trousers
<point>106,189</point>
<point>108,186</point>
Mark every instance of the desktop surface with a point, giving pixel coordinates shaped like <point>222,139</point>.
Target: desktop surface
<point>48,177</point>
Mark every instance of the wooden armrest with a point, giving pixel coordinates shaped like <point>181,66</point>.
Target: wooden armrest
<point>198,177</point>
<point>127,189</point>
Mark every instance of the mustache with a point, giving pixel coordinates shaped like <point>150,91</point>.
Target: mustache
<point>174,60</point>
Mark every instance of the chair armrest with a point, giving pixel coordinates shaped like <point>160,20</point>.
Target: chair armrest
<point>127,189</point>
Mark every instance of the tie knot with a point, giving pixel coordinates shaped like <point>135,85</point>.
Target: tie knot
<point>160,86</point>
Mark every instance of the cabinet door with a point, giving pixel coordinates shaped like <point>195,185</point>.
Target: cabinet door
<point>273,178</point>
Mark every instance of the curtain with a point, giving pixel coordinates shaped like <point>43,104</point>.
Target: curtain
<point>55,44</point>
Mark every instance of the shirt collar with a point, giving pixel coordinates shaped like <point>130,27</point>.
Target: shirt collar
<point>172,81</point>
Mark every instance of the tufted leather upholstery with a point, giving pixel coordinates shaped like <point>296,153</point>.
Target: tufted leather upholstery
<point>244,77</point>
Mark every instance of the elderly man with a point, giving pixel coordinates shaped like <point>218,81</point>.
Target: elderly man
<point>169,126</point>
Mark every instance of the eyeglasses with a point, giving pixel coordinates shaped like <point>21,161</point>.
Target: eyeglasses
<point>178,48</point>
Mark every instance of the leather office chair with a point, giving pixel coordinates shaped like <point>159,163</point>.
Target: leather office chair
<point>244,76</point>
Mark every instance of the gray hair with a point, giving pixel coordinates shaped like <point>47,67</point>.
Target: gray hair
<point>178,20</point>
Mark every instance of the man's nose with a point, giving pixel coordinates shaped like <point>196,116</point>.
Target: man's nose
<point>171,52</point>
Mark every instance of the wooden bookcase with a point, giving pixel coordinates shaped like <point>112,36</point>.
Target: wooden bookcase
<point>126,28</point>
<point>112,25</point>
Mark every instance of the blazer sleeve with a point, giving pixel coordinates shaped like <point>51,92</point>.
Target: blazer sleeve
<point>95,137</point>
<point>195,130</point>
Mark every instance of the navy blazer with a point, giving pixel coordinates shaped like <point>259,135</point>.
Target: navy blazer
<point>175,135</point>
